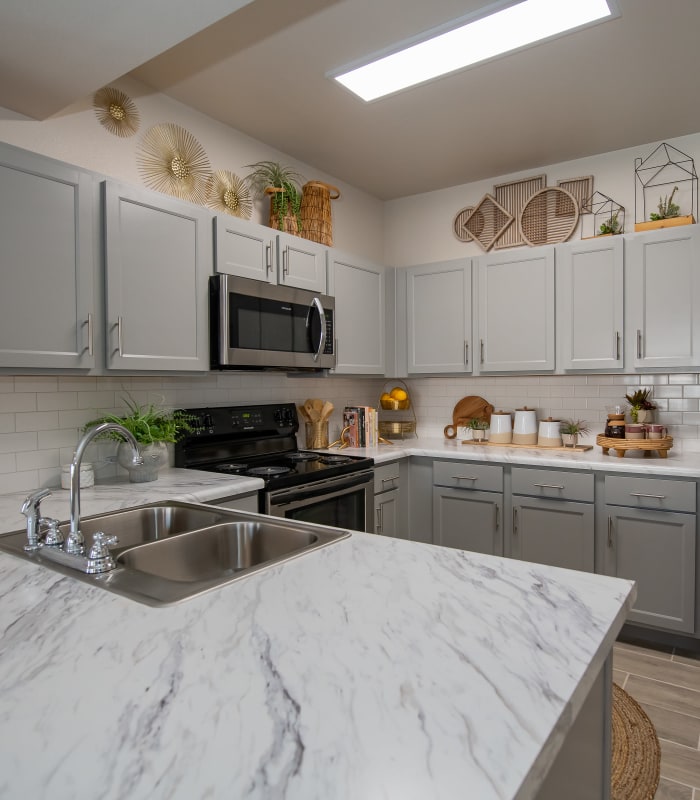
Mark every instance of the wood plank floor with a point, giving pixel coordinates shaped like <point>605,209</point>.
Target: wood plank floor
<point>666,683</point>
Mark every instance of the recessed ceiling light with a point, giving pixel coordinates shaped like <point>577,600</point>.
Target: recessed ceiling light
<point>512,28</point>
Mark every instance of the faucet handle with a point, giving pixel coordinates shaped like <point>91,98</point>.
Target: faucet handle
<point>99,558</point>
<point>31,510</point>
<point>54,536</point>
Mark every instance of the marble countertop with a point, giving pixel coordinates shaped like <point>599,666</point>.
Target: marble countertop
<point>372,668</point>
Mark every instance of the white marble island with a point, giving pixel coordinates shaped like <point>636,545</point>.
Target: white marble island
<point>372,668</point>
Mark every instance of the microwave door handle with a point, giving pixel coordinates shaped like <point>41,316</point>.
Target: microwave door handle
<point>316,303</point>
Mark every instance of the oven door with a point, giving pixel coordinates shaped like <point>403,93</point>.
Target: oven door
<point>343,502</point>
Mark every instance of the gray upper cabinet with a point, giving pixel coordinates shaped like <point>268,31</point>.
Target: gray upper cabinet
<point>158,259</point>
<point>358,288</point>
<point>439,317</point>
<point>47,231</point>
<point>516,311</point>
<point>663,288</point>
<point>590,304</point>
<point>264,254</point>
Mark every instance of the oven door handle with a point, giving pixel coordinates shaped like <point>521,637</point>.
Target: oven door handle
<point>319,488</point>
<point>316,304</point>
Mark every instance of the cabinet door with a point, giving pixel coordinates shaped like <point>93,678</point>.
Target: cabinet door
<point>590,302</point>
<point>516,311</point>
<point>662,283</point>
<point>386,513</point>
<point>158,260</point>
<point>301,263</point>
<point>358,288</point>
<point>468,520</point>
<point>657,550</point>
<point>553,532</point>
<point>439,300</point>
<point>47,234</point>
<point>245,249</point>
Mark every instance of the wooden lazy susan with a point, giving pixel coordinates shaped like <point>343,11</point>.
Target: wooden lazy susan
<point>621,446</point>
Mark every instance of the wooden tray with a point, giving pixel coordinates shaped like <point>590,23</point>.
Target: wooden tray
<point>621,446</point>
<point>579,448</point>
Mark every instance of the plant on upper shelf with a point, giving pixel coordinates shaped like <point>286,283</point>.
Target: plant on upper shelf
<point>148,423</point>
<point>667,208</point>
<point>640,400</point>
<point>283,185</point>
<point>611,225</point>
<point>574,427</point>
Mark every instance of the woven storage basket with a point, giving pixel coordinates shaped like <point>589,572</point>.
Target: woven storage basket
<point>316,220</point>
<point>289,221</point>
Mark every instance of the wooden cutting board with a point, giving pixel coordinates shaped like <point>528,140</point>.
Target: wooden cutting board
<point>470,407</point>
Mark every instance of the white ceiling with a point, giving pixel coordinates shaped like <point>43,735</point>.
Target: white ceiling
<point>262,71</point>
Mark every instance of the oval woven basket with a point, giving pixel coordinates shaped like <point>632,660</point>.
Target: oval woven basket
<point>316,219</point>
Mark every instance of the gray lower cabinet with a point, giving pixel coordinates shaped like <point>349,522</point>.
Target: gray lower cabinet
<point>48,236</point>
<point>650,538</point>
<point>387,499</point>
<point>158,257</point>
<point>465,516</point>
<point>553,518</point>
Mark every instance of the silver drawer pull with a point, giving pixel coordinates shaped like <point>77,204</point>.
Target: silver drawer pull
<point>463,478</point>
<point>388,480</point>
<point>548,486</point>
<point>652,496</point>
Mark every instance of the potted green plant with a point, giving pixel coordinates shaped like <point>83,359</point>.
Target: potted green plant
<point>153,428</point>
<point>668,214</point>
<point>478,428</point>
<point>571,429</point>
<point>283,186</point>
<point>611,226</point>
<point>641,405</point>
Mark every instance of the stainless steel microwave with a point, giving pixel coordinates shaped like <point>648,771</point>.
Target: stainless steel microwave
<point>259,325</point>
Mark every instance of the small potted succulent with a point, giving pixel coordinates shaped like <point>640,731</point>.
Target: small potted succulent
<point>571,429</point>
<point>611,226</point>
<point>478,427</point>
<point>641,406</point>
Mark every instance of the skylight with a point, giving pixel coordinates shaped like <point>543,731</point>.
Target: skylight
<point>509,29</point>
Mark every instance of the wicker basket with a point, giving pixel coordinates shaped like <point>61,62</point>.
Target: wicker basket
<point>316,220</point>
<point>397,430</point>
<point>289,222</point>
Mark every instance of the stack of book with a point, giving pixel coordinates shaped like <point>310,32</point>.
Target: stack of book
<point>361,424</point>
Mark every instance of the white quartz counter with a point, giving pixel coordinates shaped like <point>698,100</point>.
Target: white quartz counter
<point>372,668</point>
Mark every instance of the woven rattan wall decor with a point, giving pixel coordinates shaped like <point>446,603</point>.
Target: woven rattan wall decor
<point>487,222</point>
<point>580,188</point>
<point>458,224</point>
<point>513,196</point>
<point>549,217</point>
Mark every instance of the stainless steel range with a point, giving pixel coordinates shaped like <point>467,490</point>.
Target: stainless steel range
<point>260,441</point>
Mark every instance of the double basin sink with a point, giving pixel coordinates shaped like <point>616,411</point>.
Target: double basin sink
<point>170,551</point>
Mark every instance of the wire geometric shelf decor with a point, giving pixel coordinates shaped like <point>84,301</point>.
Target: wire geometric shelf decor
<point>171,160</point>
<point>603,216</point>
<point>665,166</point>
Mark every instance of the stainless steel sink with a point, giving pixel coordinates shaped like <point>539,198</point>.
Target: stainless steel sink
<point>168,552</point>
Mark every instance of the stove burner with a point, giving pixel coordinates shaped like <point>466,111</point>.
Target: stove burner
<point>303,457</point>
<point>335,459</point>
<point>232,467</point>
<point>268,472</point>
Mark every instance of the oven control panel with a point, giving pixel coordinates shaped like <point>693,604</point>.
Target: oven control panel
<point>232,421</point>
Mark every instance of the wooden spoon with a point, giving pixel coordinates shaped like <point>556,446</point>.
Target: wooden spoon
<point>327,410</point>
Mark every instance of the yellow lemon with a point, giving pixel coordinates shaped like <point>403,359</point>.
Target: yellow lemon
<point>385,401</point>
<point>398,394</point>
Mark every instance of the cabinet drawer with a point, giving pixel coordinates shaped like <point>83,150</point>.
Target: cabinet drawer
<point>560,485</point>
<point>465,475</point>
<point>386,477</point>
<point>670,495</point>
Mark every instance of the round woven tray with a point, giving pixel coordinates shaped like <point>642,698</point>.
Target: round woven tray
<point>621,446</point>
<point>636,755</point>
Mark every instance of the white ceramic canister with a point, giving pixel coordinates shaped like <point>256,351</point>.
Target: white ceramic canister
<point>501,427</point>
<point>87,476</point>
<point>549,434</point>
<point>525,426</point>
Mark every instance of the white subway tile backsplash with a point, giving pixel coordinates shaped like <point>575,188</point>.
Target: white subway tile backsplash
<point>7,383</point>
<point>56,401</point>
<point>691,391</point>
<point>7,423</point>
<point>18,401</point>
<point>25,481</point>
<point>683,405</point>
<point>18,442</point>
<point>38,459</point>
<point>36,383</point>
<point>673,390</point>
<point>36,421</point>
<point>51,440</point>
<point>99,400</point>
<point>8,462</point>
<point>683,378</point>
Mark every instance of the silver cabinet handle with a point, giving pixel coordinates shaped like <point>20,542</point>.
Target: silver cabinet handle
<point>268,257</point>
<point>463,478</point>
<point>610,532</point>
<point>285,261</point>
<point>617,345</point>
<point>481,345</point>
<point>497,520</point>
<point>90,341</point>
<point>548,486</point>
<point>120,340</point>
<point>652,496</point>
<point>639,344</point>
<point>466,353</point>
<point>379,519</point>
<point>388,480</point>
<point>515,521</point>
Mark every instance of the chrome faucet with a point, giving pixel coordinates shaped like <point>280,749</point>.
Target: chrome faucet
<point>32,511</point>
<point>75,544</point>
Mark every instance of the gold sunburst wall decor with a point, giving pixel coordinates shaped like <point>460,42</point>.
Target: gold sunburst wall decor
<point>171,160</point>
<point>228,193</point>
<point>116,112</point>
